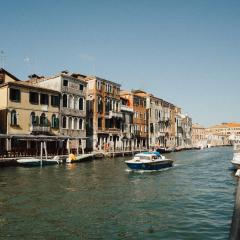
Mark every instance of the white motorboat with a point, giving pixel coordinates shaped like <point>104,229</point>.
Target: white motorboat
<point>152,161</point>
<point>236,156</point>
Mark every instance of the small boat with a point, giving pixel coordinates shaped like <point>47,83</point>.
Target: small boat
<point>236,156</point>
<point>29,162</point>
<point>36,162</point>
<point>149,161</point>
<point>33,162</point>
<point>164,150</point>
<point>79,158</point>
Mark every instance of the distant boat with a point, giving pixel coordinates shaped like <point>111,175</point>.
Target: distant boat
<point>149,161</point>
<point>164,150</point>
<point>37,162</point>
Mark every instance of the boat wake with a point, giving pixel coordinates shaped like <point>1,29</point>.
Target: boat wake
<point>148,171</point>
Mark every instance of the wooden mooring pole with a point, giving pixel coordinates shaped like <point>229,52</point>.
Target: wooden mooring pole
<point>235,226</point>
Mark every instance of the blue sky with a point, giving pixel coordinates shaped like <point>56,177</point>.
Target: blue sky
<point>184,51</point>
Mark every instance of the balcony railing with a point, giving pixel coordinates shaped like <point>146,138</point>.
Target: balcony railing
<point>115,114</point>
<point>126,108</point>
<point>39,129</point>
<point>73,90</point>
<point>74,112</point>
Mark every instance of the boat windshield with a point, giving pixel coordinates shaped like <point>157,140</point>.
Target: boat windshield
<point>237,147</point>
<point>146,157</point>
<point>143,157</point>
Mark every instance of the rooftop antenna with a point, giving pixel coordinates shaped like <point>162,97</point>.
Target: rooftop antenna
<point>29,63</point>
<point>94,67</point>
<point>2,58</point>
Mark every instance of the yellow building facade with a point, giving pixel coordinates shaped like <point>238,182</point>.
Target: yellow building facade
<point>26,111</point>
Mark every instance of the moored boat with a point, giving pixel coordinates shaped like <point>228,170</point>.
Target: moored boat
<point>36,162</point>
<point>236,156</point>
<point>164,150</point>
<point>29,162</point>
<point>152,161</point>
<point>79,158</point>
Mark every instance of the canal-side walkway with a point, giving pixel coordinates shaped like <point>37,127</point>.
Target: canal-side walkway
<point>12,161</point>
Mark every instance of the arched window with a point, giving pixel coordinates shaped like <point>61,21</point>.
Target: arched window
<point>75,123</point>
<point>80,124</point>
<point>55,123</point>
<point>80,103</point>
<point>43,120</point>
<point>76,102</point>
<point>107,105</point>
<point>65,100</point>
<point>14,120</point>
<point>70,123</point>
<point>33,118</point>
<point>71,102</point>
<point>64,122</point>
<point>100,105</point>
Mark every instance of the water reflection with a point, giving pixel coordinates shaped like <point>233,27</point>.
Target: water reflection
<point>102,200</point>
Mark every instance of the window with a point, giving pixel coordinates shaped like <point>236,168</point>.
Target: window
<point>65,100</point>
<point>80,123</point>
<point>71,102</point>
<point>107,123</point>
<point>109,88</point>
<point>70,123</point>
<point>14,119</point>
<point>100,105</point>
<point>151,128</point>
<point>145,129</point>
<point>107,105</point>
<point>100,122</point>
<point>55,101</point>
<point>43,120</point>
<point>75,123</point>
<point>33,119</point>
<point>15,95</point>
<point>64,122</point>
<point>33,97</point>
<point>81,87</point>
<point>80,103</point>
<point>44,99</point>
<point>99,85</point>
<point>55,121</point>
<point>65,83</point>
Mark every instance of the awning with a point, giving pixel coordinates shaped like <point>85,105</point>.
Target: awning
<point>39,137</point>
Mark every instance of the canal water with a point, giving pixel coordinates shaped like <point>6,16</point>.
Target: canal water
<point>102,200</point>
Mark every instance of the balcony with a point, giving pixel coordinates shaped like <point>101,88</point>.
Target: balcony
<point>115,114</point>
<point>74,132</point>
<point>40,129</point>
<point>109,130</point>
<point>74,90</point>
<point>126,108</point>
<point>73,112</point>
